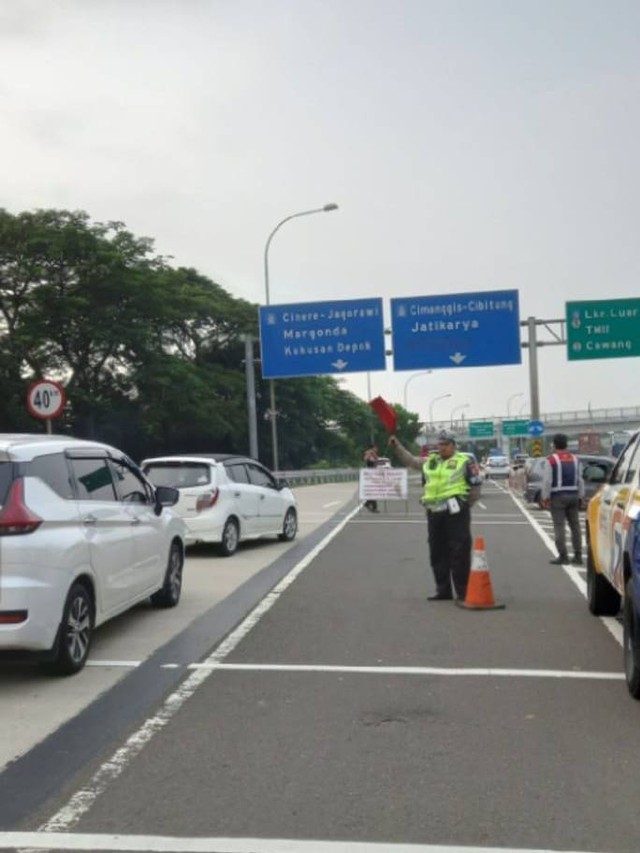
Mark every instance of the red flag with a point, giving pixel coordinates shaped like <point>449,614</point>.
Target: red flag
<point>385,412</point>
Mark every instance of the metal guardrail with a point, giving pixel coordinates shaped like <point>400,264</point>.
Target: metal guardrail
<point>316,476</point>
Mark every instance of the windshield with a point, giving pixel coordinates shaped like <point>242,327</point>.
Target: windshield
<point>178,475</point>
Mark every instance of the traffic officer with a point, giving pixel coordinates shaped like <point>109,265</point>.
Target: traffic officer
<point>451,484</point>
<point>562,492</point>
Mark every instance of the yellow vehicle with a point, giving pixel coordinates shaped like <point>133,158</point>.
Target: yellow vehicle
<point>610,515</point>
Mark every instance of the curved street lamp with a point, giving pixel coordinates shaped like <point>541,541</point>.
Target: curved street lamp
<point>435,400</point>
<point>406,384</point>
<point>510,400</point>
<point>458,409</point>
<point>272,389</point>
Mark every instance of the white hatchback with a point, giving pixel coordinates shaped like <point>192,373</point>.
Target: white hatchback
<point>226,498</point>
<point>83,537</point>
<point>497,466</point>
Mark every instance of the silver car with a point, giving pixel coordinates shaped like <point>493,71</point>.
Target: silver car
<point>84,536</point>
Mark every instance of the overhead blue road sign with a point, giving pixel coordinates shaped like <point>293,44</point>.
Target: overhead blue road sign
<point>535,428</point>
<point>456,330</point>
<point>312,338</point>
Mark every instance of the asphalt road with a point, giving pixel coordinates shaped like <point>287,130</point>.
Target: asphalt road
<point>350,709</point>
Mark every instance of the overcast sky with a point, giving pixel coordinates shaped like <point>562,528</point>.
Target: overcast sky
<point>470,145</point>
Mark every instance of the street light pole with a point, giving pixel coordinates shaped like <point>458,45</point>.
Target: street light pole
<point>272,388</point>
<point>458,409</point>
<point>510,400</point>
<point>406,384</point>
<point>435,400</point>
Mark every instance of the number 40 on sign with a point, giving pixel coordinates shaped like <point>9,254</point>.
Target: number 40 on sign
<point>45,400</point>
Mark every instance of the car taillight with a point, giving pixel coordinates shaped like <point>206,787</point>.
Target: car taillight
<point>207,500</point>
<point>15,516</point>
<point>13,617</point>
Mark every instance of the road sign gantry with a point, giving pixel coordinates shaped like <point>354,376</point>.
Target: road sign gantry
<point>456,330</point>
<point>603,328</point>
<point>313,338</point>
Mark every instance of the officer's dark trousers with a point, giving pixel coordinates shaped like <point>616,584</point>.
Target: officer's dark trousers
<point>450,549</point>
<point>565,508</point>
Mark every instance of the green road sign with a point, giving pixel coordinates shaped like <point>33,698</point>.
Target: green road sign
<point>480,429</point>
<point>603,328</point>
<point>515,428</point>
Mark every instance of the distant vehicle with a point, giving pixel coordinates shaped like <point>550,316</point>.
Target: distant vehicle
<point>497,467</point>
<point>520,460</point>
<point>83,537</point>
<point>595,470</point>
<point>619,441</point>
<point>226,499</point>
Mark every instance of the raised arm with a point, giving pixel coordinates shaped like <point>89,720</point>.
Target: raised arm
<point>404,456</point>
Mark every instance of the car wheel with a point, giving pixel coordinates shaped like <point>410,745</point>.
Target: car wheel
<point>230,538</point>
<point>75,633</point>
<point>602,598</point>
<point>289,526</point>
<point>169,594</point>
<point>630,643</point>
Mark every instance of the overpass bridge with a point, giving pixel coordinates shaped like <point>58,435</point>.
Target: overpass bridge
<point>604,422</point>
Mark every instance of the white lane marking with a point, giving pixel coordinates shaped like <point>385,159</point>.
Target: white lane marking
<point>164,844</point>
<point>413,670</point>
<point>575,573</point>
<point>331,503</point>
<point>401,520</point>
<point>481,505</point>
<point>130,663</point>
<point>82,800</point>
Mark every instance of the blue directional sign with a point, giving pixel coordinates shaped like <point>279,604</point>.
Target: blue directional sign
<point>311,338</point>
<point>535,428</point>
<point>456,330</point>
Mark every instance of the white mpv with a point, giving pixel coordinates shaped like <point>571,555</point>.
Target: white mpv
<point>226,498</point>
<point>83,537</point>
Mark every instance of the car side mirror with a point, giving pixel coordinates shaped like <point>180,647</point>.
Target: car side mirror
<point>166,496</point>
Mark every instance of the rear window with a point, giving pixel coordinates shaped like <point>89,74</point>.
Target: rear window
<point>6,476</point>
<point>178,475</point>
<point>237,472</point>
<point>53,470</point>
<point>594,471</point>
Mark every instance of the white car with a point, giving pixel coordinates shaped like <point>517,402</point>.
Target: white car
<point>496,466</point>
<point>83,537</point>
<point>226,499</point>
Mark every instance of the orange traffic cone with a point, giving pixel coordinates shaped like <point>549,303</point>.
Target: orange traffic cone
<point>479,592</point>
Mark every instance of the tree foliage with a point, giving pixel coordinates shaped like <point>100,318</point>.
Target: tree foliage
<point>152,357</point>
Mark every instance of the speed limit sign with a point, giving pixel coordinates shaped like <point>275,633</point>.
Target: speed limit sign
<point>45,399</point>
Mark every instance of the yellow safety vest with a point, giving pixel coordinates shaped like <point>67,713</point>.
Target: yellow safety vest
<point>444,478</point>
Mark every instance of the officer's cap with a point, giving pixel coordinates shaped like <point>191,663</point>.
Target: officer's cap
<point>447,436</point>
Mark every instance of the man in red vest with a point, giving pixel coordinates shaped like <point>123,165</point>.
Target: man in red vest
<point>563,493</point>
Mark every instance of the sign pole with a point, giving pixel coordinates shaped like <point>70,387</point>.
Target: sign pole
<point>533,369</point>
<point>251,396</point>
